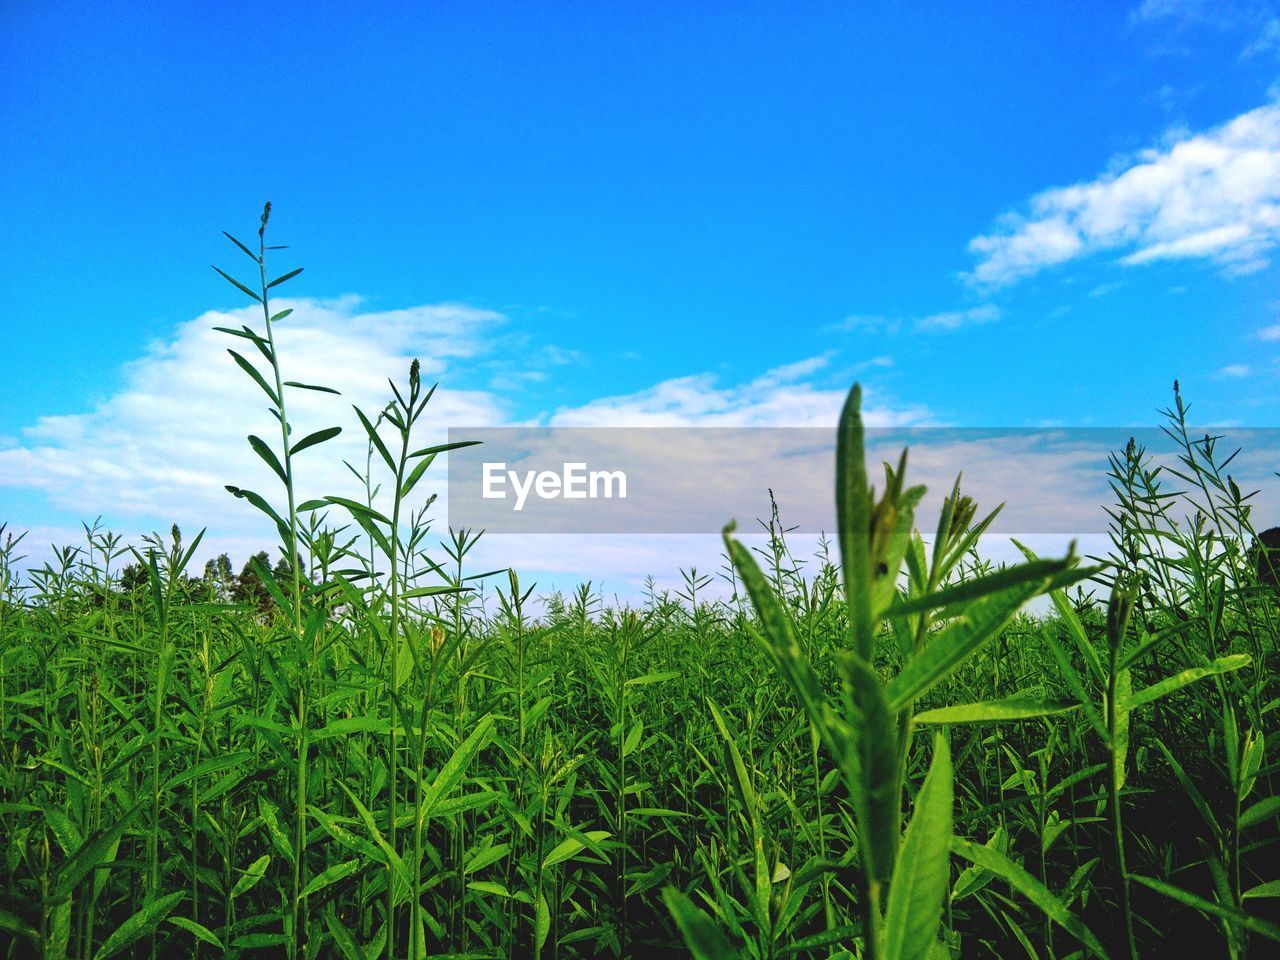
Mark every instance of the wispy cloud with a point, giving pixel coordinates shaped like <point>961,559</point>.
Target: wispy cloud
<point>784,396</point>
<point>1212,196</point>
<point>955,319</point>
<point>941,322</point>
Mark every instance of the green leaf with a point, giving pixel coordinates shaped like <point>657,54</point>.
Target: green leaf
<point>268,455</point>
<point>237,284</point>
<point>288,276</point>
<point>701,935</point>
<point>444,447</point>
<point>312,386</point>
<point>783,648</point>
<point>1073,680</point>
<point>741,780</point>
<point>247,334</point>
<point>570,847</point>
<point>489,886</point>
<point>1031,888</point>
<point>451,774</point>
<point>878,814</point>
<point>1179,680</point>
<point>311,439</point>
<point>247,252</point>
<point>922,872</point>
<point>853,521</point>
<point>968,590</point>
<point>1263,927</point>
<point>138,925</point>
<point>199,930</point>
<point>661,677</point>
<point>1075,628</point>
<point>1269,889</point>
<point>92,854</point>
<point>212,765</point>
<point>359,510</point>
<point>1120,742</point>
<point>18,926</point>
<point>271,820</point>
<point>415,475</point>
<point>958,641</point>
<point>376,441</point>
<point>1146,646</point>
<point>249,879</point>
<point>1260,812</point>
<point>973,878</point>
<point>258,378</point>
<point>416,592</point>
<point>330,875</point>
<point>342,937</point>
<point>66,833</point>
<point>834,936</point>
<point>346,726</point>
<point>632,739</point>
<point>1011,708</point>
<point>541,924</point>
<point>255,941</point>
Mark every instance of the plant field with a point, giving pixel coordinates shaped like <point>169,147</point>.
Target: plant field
<point>873,752</point>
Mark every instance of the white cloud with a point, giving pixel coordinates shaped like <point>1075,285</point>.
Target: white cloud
<point>780,397</point>
<point>941,322</point>
<point>1234,371</point>
<point>1213,196</point>
<point>865,323</point>
<point>160,449</point>
<point>955,319</point>
<point>167,442</point>
<point>1270,333</point>
<point>1267,40</point>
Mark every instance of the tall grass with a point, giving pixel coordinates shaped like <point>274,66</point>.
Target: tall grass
<point>872,752</point>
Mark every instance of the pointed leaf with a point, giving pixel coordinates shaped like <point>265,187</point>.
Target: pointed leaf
<point>1031,888</point>
<point>237,284</point>
<point>1168,685</point>
<point>922,873</point>
<point>320,436</point>
<point>1012,708</point>
<point>138,925</point>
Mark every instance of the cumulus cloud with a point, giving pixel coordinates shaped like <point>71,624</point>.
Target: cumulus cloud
<point>160,449</point>
<point>167,442</point>
<point>1213,196</point>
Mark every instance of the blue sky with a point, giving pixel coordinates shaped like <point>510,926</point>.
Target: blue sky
<point>996,215</point>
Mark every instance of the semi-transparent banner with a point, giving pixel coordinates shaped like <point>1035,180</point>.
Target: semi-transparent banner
<point>677,480</point>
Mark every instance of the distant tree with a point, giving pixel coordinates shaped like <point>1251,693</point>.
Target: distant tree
<point>282,571</point>
<point>248,587</point>
<point>133,577</point>
<point>218,576</point>
<point>1265,553</point>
